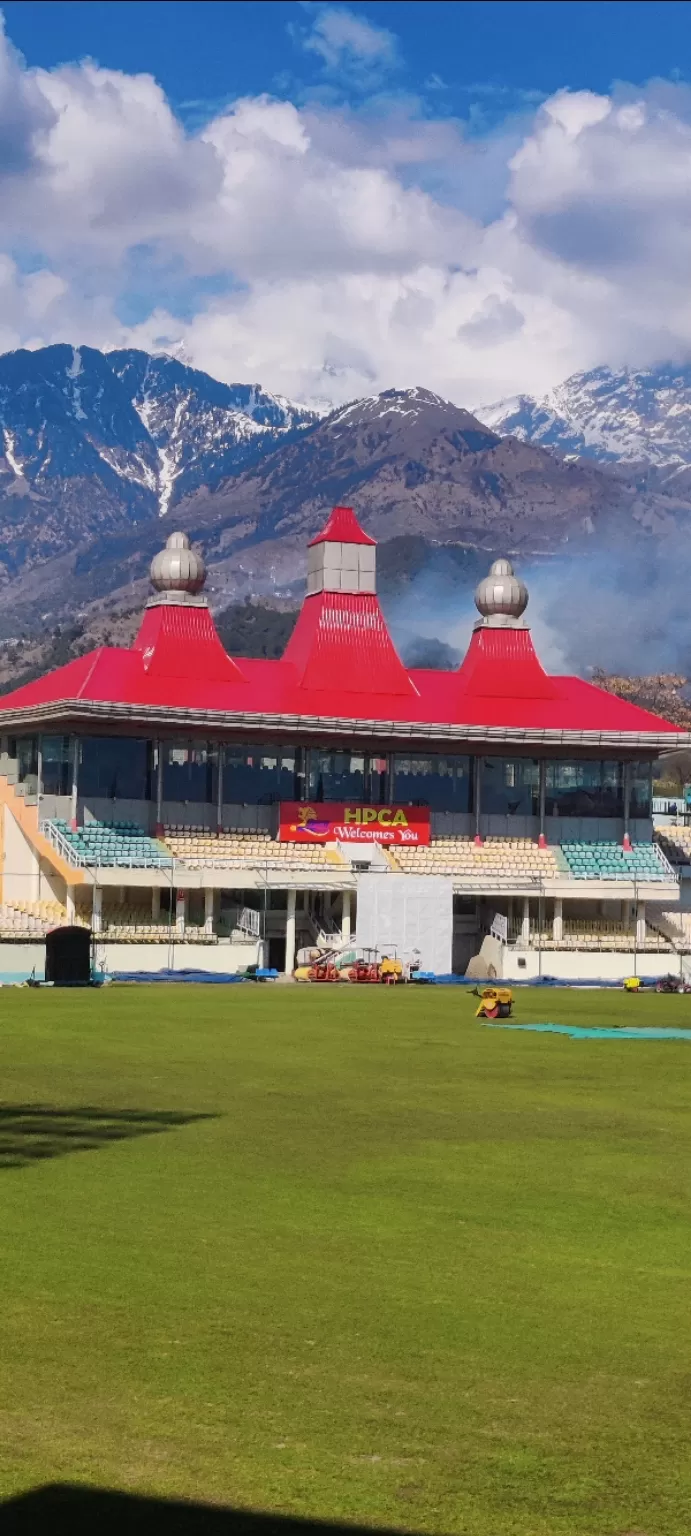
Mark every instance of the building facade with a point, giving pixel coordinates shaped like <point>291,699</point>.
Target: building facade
<point>193,807</point>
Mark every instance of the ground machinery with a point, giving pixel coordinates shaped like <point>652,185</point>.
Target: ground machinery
<point>495,1003</point>
<point>324,969</point>
<point>366,967</point>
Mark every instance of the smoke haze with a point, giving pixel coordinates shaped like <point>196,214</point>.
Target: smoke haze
<point>628,612</point>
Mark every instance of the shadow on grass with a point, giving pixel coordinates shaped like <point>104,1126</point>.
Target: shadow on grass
<point>29,1133</point>
<point>66,1511</point>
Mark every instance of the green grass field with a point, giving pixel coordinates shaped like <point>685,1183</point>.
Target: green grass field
<point>348,1253</point>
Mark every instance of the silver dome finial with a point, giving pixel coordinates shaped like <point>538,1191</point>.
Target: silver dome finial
<point>501,597</point>
<point>177,569</point>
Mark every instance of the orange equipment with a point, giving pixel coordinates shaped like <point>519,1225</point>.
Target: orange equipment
<point>366,967</point>
<point>495,1003</point>
<point>324,970</point>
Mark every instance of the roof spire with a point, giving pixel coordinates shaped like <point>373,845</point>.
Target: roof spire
<point>342,558</point>
<point>178,574</point>
<point>501,598</point>
<point>341,641</point>
<point>501,662</point>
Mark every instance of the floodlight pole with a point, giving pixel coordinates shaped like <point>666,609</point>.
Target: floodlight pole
<point>540,920</point>
<point>171,930</point>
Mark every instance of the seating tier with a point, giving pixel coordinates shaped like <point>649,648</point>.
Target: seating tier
<point>114,843</point>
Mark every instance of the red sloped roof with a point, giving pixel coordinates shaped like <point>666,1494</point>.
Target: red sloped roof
<point>342,528</point>
<point>340,665</point>
<point>343,635</point>
<point>501,659</point>
<point>276,688</point>
<point>181,641</point>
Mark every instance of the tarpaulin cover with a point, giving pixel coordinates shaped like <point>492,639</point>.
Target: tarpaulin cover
<point>576,1033</point>
<point>190,975</point>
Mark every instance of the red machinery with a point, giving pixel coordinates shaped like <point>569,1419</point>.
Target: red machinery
<point>366,967</point>
<point>324,970</point>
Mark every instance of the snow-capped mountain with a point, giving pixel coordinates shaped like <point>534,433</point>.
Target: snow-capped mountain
<point>102,455</point>
<point>202,430</point>
<point>100,441</point>
<point>625,416</point>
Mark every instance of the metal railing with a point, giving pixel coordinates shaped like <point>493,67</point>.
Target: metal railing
<point>92,860</point>
<point>61,844</point>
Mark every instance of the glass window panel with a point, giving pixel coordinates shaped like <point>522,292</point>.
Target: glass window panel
<point>641,789</point>
<point>336,775</point>
<point>442,783</point>
<point>377,780</point>
<point>260,775</point>
<point>27,760</point>
<point>510,786</point>
<point>115,767</point>
<point>56,765</point>
<point>189,772</point>
<point>593,787</point>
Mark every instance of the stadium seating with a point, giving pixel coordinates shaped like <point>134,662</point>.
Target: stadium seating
<point>30,919</point>
<point>133,925</point>
<point>234,847</point>
<point>118,843</point>
<point>502,861</point>
<point>675,842</point>
<point>610,861</point>
<point>593,933</point>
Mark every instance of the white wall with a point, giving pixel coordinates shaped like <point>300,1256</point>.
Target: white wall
<point>581,965</point>
<point>179,957</point>
<point>408,912</point>
<point>17,961</point>
<point>20,875</point>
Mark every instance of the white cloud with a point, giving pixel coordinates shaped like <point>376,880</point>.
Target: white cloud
<point>346,251</point>
<point>351,44</point>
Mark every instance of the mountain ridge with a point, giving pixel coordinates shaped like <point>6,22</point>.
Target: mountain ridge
<point>613,416</point>
<point>104,454</point>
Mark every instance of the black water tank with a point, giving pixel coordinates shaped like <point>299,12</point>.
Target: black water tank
<point>68,956</point>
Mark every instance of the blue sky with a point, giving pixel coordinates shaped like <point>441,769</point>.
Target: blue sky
<point>331,199</point>
<point>210,51</point>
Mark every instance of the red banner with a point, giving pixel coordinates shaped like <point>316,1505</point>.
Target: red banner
<point>401,824</point>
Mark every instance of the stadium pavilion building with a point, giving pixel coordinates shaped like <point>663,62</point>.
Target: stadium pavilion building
<point>204,811</point>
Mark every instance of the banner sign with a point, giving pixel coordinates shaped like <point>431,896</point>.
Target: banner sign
<point>407,825</point>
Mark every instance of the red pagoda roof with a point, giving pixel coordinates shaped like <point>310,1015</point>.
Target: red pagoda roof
<point>344,634</point>
<point>340,676</point>
<point>342,528</point>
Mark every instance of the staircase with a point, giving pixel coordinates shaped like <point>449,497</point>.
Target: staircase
<point>23,807</point>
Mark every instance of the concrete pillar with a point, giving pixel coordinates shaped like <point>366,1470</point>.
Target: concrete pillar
<point>159,788</point>
<point>69,903</point>
<point>345,917</point>
<point>558,920</point>
<point>219,790</point>
<point>156,904</point>
<point>476,796</point>
<point>180,911</point>
<point>525,925</point>
<point>542,840</point>
<point>290,934</point>
<point>640,922</point>
<point>209,911</point>
<point>627,804</point>
<point>75,782</point>
<point>96,909</point>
